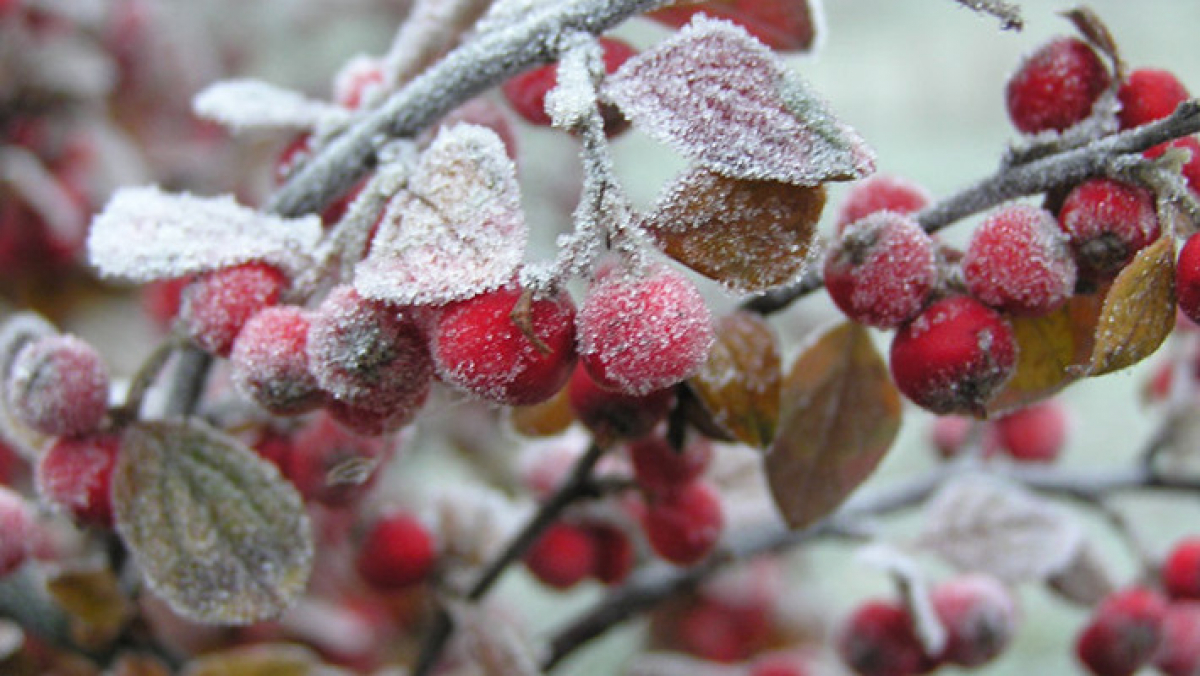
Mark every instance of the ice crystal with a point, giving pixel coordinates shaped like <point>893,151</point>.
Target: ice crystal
<point>247,104</point>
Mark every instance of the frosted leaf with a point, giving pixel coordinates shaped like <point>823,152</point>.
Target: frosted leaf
<point>17,331</point>
<point>573,98</point>
<point>246,104</point>
<point>982,525</point>
<point>913,586</point>
<point>785,25</point>
<point>145,234</point>
<point>725,100</point>
<point>457,232</point>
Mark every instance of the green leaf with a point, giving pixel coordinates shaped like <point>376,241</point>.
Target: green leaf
<point>840,415</point>
<point>214,528</point>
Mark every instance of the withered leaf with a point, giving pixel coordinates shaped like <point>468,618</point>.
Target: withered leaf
<point>749,235</point>
<point>214,528</point>
<point>90,596</point>
<point>739,383</point>
<point>786,25</point>
<point>1139,310</point>
<point>840,414</point>
<point>279,659</point>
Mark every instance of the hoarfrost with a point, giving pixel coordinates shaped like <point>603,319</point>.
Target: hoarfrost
<point>247,104</point>
<point>145,234</point>
<point>457,232</point>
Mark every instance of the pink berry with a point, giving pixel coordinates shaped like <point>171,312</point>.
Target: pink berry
<point>881,269</point>
<point>331,465</point>
<point>357,82</point>
<point>1036,433</point>
<point>879,639</point>
<point>684,525</point>
<point>615,555</point>
<point>780,664</point>
<point>269,362</point>
<point>217,304</point>
<point>161,299</point>
<point>1179,652</point>
<point>58,385</point>
<point>612,414</point>
<point>1181,570</point>
<point>478,345</point>
<point>1108,222</point>
<point>881,192</point>
<point>526,93</point>
<point>949,434</point>
<point>16,530</point>
<point>1056,86</point>
<point>641,333</point>
<point>1123,633</point>
<point>1018,261</point>
<point>563,556</point>
<point>980,617</point>
<point>398,552</point>
<point>659,467</point>
<point>1187,278</point>
<point>75,474</point>
<point>1149,94</point>
<point>954,356</point>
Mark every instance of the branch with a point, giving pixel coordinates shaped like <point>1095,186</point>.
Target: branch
<point>1008,13</point>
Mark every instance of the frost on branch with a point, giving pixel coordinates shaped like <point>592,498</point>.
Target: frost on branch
<point>145,234</point>
<point>243,105</point>
<point>725,100</point>
<point>456,232</point>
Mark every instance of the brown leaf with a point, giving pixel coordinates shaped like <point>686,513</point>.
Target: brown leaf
<point>91,597</point>
<point>840,415</point>
<point>739,383</point>
<point>786,25</point>
<point>257,660</point>
<point>1050,350</point>
<point>1093,29</point>
<point>1139,310</point>
<point>749,235</point>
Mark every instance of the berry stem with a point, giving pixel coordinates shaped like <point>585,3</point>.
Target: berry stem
<point>149,371</point>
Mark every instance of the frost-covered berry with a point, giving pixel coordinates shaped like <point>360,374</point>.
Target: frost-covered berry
<point>684,525</point>
<point>1056,86</point>
<point>217,304</point>
<point>526,92</point>
<point>397,552</point>
<point>480,345</point>
<point>1123,634</point>
<point>881,192</point>
<point>657,466</point>
<point>1108,222</point>
<point>1036,433</point>
<point>16,530</point>
<point>1149,94</point>
<point>954,356</point>
<point>1179,652</point>
<point>881,269</point>
<point>639,333</point>
<point>615,555</point>
<point>75,474</point>
<point>58,385</point>
<point>980,617</point>
<point>1187,279</point>
<point>371,356</point>
<point>612,414</point>
<point>269,362</point>
<point>1181,570</point>
<point>331,465</point>
<point>563,556</point>
<point>1018,261</point>
<point>880,639</point>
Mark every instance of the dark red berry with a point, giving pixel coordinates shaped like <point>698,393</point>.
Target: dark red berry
<point>58,385</point>
<point>217,304</point>
<point>563,556</point>
<point>1108,222</point>
<point>1018,261</point>
<point>526,93</point>
<point>1190,169</point>
<point>684,525</point>
<point>879,639</point>
<point>615,555</point>
<point>397,552</point>
<point>1181,570</point>
<point>1187,279</point>
<point>1123,634</point>
<point>980,617</point>
<point>657,466</point>
<point>612,414</point>
<point>881,192</point>
<point>1056,86</point>
<point>269,362</point>
<point>1149,94</point>
<point>75,474</point>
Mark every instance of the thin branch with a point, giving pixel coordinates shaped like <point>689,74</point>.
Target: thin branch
<point>1008,13</point>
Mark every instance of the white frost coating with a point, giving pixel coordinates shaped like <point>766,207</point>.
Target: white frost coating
<point>145,234</point>
<point>504,13</point>
<point>724,99</point>
<point>457,232</point>
<point>573,98</point>
<point>247,104</point>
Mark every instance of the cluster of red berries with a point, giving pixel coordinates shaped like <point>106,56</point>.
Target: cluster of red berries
<point>683,518</point>
<point>954,347</point>
<point>978,613</point>
<point>1037,433</point>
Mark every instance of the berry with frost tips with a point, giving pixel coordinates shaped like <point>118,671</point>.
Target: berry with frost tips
<point>1108,222</point>
<point>1018,261</point>
<point>269,362</point>
<point>1149,94</point>
<point>1056,86</point>
<point>980,617</point>
<point>1123,634</point>
<point>58,385</point>
<point>683,525</point>
<point>881,192</point>
<point>75,474</point>
<point>217,304</point>
<point>880,639</point>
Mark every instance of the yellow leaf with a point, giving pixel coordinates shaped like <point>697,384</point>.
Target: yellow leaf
<point>739,383</point>
<point>1139,310</point>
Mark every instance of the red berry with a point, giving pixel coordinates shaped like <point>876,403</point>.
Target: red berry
<point>1123,634</point>
<point>980,617</point>
<point>615,555</point>
<point>1179,652</point>
<point>217,305</point>
<point>1108,222</point>
<point>612,414</point>
<point>1056,86</point>
<point>526,93</point>
<point>641,333</point>
<point>357,81</point>
<point>1149,94</point>
<point>881,192</point>
<point>949,434</point>
<point>1018,261</point>
<point>479,345</point>
<point>75,474</point>
<point>563,556</point>
<point>397,552</point>
<point>16,530</point>
<point>269,362</point>
<point>685,524</point>
<point>658,466</point>
<point>1187,278</point>
<point>274,447</point>
<point>1036,433</point>
<point>879,639</point>
<point>881,269</point>
<point>1181,570</point>
<point>58,385</point>
<point>1190,169</point>
<point>331,465</point>
<point>371,356</point>
<point>954,356</point>
<point>161,299</point>
<point>780,664</point>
